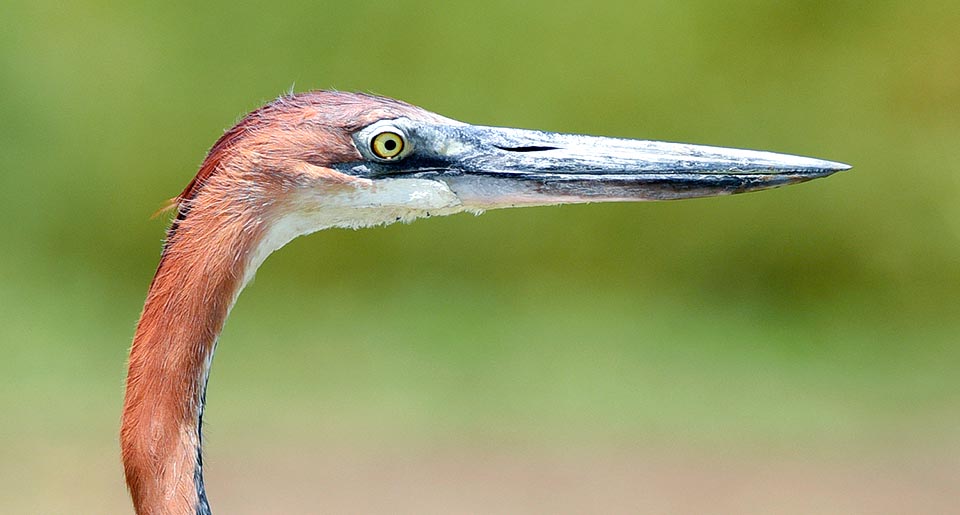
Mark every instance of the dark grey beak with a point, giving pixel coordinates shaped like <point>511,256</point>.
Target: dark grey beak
<point>490,167</point>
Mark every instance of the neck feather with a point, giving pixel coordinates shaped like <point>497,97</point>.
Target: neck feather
<point>204,266</point>
<point>226,226</point>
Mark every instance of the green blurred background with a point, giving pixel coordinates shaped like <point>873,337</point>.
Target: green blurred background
<point>787,351</point>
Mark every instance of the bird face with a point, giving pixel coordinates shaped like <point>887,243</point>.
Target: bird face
<point>329,159</point>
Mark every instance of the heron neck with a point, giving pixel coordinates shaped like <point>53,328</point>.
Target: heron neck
<point>201,272</point>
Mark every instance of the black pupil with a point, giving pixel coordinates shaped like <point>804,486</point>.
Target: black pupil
<point>390,144</point>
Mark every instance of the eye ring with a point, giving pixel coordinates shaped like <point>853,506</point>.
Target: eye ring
<point>388,144</point>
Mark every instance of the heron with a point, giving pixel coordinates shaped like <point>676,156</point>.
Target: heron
<point>325,159</point>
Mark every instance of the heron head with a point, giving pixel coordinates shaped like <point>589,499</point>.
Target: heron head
<point>332,159</point>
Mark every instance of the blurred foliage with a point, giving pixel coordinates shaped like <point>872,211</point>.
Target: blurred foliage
<point>826,312</point>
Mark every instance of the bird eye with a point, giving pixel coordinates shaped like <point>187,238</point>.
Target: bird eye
<point>387,145</point>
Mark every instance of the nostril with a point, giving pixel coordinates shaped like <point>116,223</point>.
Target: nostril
<point>531,148</point>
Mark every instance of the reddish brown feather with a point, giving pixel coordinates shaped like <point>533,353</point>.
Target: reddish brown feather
<point>343,112</point>
<point>241,187</point>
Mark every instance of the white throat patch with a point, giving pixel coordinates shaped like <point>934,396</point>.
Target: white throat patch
<point>370,203</point>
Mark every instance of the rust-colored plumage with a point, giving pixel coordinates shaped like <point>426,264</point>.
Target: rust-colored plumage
<point>316,160</point>
<point>221,216</point>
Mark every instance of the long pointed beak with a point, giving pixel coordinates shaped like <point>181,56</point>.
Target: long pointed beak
<point>490,167</point>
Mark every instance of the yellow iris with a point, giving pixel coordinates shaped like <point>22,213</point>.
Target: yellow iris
<point>387,145</point>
